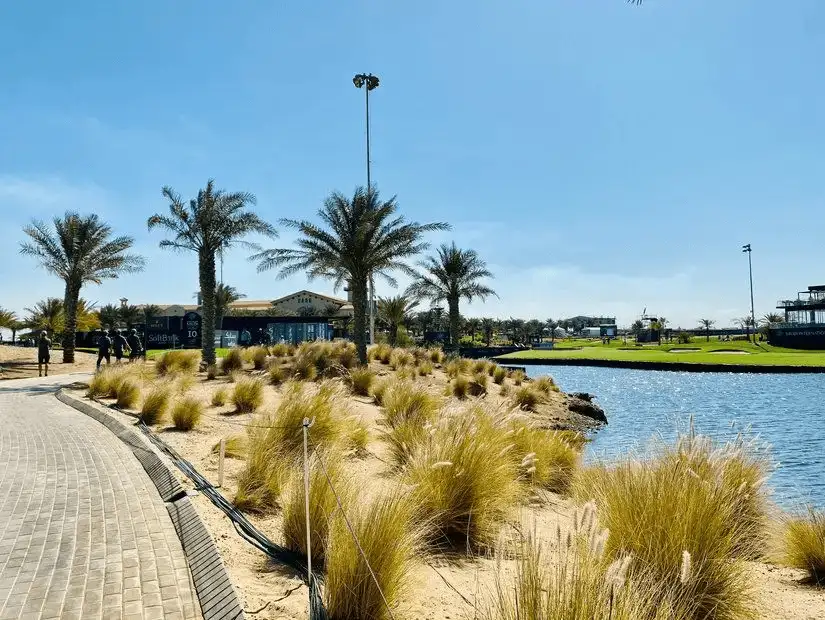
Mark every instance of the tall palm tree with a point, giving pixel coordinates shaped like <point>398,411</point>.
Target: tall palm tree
<point>87,318</point>
<point>47,315</point>
<point>745,322</point>
<point>8,320</point>
<point>357,238</point>
<point>707,324</point>
<point>131,315</point>
<point>488,328</point>
<point>225,296</point>
<point>209,225</point>
<point>450,275</point>
<point>770,320</point>
<point>395,311</point>
<point>109,316</point>
<point>471,328</point>
<point>552,324</point>
<point>150,311</point>
<point>79,250</point>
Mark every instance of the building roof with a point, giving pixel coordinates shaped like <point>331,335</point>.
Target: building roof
<point>262,304</point>
<point>332,300</point>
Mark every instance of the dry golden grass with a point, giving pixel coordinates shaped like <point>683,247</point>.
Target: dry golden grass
<point>480,366</point>
<point>361,380</point>
<point>211,372</point>
<point>804,544</point>
<point>425,368</point>
<point>277,375</point>
<point>499,374</point>
<point>464,479</point>
<point>219,397</point>
<point>233,361</point>
<point>460,387</point>
<point>545,385</point>
<point>281,350</point>
<point>186,414</point>
<point>526,398</point>
<point>456,367</point>
<point>390,539</point>
<point>234,447</point>
<point>180,361</point>
<point>262,479</point>
<point>401,358</point>
<point>695,499</point>
<point>517,376</point>
<point>322,505</point>
<point>128,393</point>
<point>404,402</point>
<point>248,395</point>
<point>478,384</point>
<point>381,352</point>
<point>104,383</point>
<point>305,365</point>
<point>156,405</point>
<point>346,354</point>
<point>545,458</point>
<point>259,357</point>
<point>379,390</point>
<point>436,355</point>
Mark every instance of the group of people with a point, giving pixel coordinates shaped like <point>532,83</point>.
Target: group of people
<point>115,342</point>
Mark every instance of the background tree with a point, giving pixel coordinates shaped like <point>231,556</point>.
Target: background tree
<point>209,225</point>
<point>357,238</point>
<point>395,312</point>
<point>87,318</point>
<point>130,315</point>
<point>472,327</point>
<point>637,327</point>
<point>534,330</point>
<point>450,275</point>
<point>79,250</point>
<point>552,324</point>
<point>745,322</point>
<point>225,296</point>
<point>488,328</point>
<point>108,316</point>
<point>47,315</point>
<point>769,321</point>
<point>707,325</point>
<point>8,320</point>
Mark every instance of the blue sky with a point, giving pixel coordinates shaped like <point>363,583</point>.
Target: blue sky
<point>601,157</point>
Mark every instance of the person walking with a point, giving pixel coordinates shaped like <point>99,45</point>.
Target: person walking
<point>104,349</point>
<point>44,346</point>
<point>119,343</point>
<point>135,346</point>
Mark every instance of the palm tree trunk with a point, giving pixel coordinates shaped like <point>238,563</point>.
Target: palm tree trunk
<point>70,329</point>
<point>206,273</point>
<point>359,319</point>
<point>393,333</point>
<point>455,319</point>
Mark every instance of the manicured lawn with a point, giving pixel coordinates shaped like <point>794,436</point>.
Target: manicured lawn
<point>713,352</point>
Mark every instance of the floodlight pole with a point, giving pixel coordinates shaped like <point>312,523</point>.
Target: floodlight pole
<point>747,249</point>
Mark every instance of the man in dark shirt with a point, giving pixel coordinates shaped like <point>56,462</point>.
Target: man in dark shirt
<point>44,346</point>
<point>104,348</point>
<point>119,343</point>
<point>135,346</point>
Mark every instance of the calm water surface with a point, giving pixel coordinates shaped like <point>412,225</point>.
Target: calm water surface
<point>786,411</point>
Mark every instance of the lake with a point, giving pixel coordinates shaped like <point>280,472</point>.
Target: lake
<point>786,411</point>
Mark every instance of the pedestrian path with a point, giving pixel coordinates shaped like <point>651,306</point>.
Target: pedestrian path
<point>83,531</point>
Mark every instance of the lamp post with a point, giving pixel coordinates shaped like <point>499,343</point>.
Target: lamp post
<point>371,82</point>
<point>747,249</point>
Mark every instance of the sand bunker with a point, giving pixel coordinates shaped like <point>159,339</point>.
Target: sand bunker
<point>730,352</point>
<point>684,350</point>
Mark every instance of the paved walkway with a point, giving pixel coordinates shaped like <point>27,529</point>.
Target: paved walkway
<point>83,531</point>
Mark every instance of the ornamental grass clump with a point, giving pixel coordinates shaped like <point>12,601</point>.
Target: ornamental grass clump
<point>684,502</point>
<point>436,355</point>
<point>389,534</point>
<point>545,385</point>
<point>425,368</point>
<point>478,384</point>
<point>128,393</point>
<point>404,402</point>
<point>464,478</point>
<point>259,357</point>
<point>322,506</point>
<point>545,459</point>
<point>456,367</point>
<point>233,362</point>
<point>277,375</point>
<point>499,375</point>
<point>264,475</point>
<point>186,414</point>
<point>346,354</point>
<point>100,385</point>
<point>379,390</point>
<point>804,544</point>
<point>480,366</point>
<point>281,350</point>
<point>180,361</point>
<point>517,376</point>
<point>360,381</point>
<point>156,405</point>
<point>234,447</point>
<point>211,372</point>
<point>248,395</point>
<point>526,398</point>
<point>401,358</point>
<point>460,387</point>
<point>219,398</point>
<point>305,365</point>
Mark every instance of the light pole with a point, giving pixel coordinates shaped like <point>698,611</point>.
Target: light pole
<point>747,249</point>
<point>371,82</point>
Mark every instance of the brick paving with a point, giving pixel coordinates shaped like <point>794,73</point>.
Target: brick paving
<point>83,531</point>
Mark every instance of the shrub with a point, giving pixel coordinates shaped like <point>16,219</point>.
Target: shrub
<point>804,545</point>
<point>683,337</point>
<point>181,361</point>
<point>248,395</point>
<point>526,398</point>
<point>155,405</point>
<point>544,385</point>
<point>219,398</point>
<point>234,447</point>
<point>518,377</point>
<point>425,368</point>
<point>684,502</point>
<point>233,362</point>
<point>277,375</point>
<point>499,374</point>
<point>478,386</point>
<point>322,506</point>
<point>128,393</point>
<point>464,479</point>
<point>460,386</point>
<point>404,402</point>
<point>259,357</point>
<point>360,380</point>
<point>391,541</point>
<point>544,458</point>
<point>211,372</point>
<point>186,414</point>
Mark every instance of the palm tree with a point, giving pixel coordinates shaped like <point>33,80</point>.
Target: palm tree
<point>209,225</point>
<point>150,311</point>
<point>745,322</point>
<point>109,316</point>
<point>47,315</point>
<point>450,275</point>
<point>356,239</point>
<point>131,315</point>
<point>770,320</point>
<point>87,318</point>
<point>395,311</point>
<point>79,250</point>
<point>472,327</point>
<point>225,296</point>
<point>552,324</point>
<point>488,328</point>
<point>707,324</point>
<point>8,320</point>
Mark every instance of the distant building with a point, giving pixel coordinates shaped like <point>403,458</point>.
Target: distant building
<point>804,326</point>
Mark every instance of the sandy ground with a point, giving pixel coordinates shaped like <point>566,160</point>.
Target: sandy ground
<point>21,362</point>
<point>444,588</point>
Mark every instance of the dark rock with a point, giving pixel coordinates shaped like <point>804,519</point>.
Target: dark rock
<point>585,407</point>
<point>584,396</point>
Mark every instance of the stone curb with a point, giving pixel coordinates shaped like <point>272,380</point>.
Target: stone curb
<point>216,594</point>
